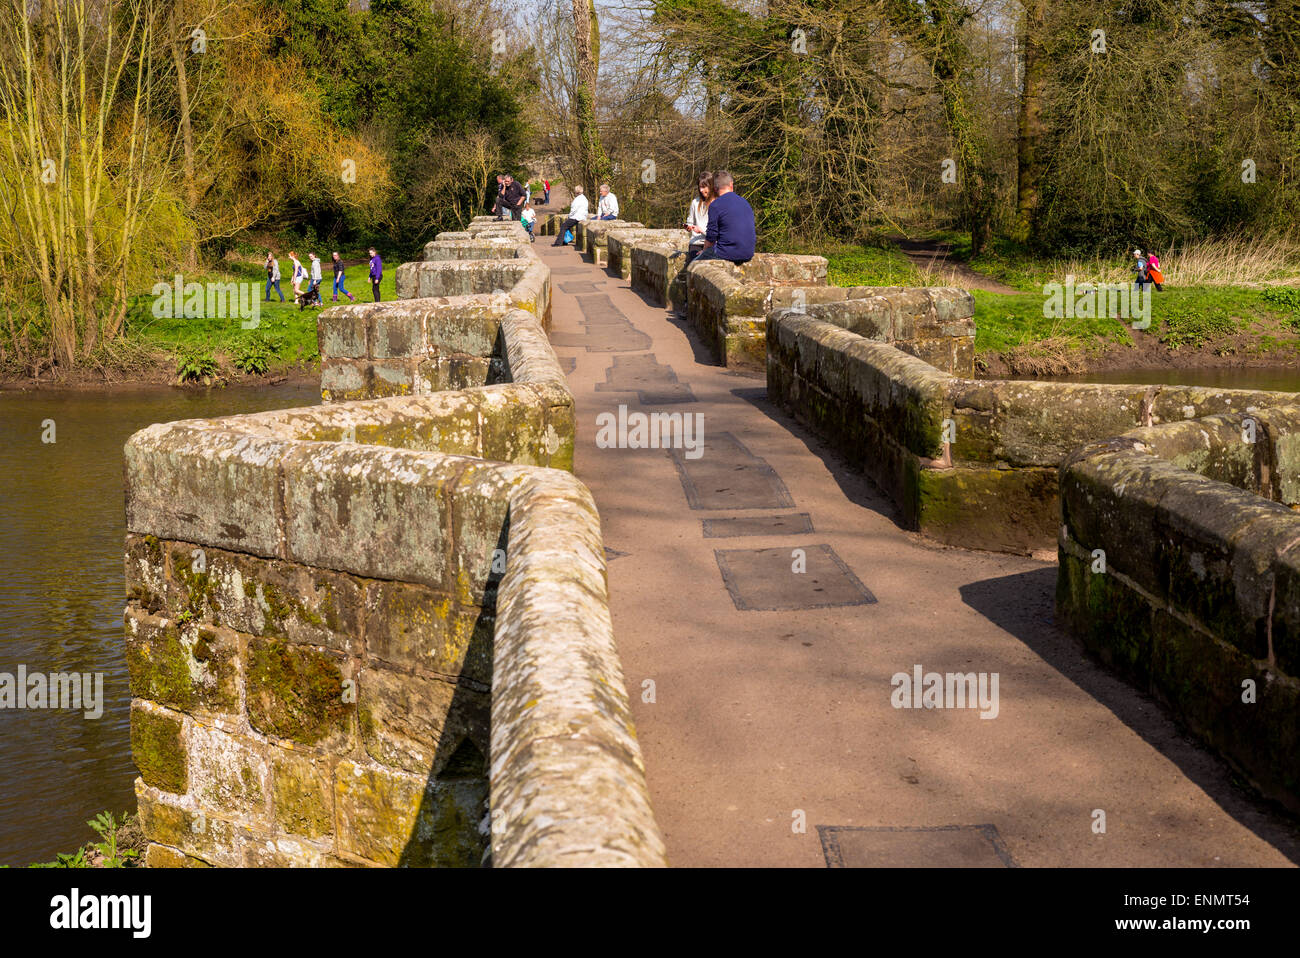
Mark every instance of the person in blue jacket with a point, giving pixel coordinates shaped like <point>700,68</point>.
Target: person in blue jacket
<point>731,235</point>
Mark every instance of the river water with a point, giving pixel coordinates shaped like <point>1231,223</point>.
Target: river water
<point>62,523</point>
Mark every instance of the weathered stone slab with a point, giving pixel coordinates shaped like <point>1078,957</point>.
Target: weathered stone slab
<point>728,476</point>
<point>785,579</point>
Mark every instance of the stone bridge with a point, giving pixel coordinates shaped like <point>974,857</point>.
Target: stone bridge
<point>394,630</point>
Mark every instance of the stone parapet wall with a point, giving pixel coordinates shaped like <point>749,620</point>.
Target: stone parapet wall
<point>564,748</point>
<point>727,304</point>
<point>968,462</point>
<point>1179,556</point>
<point>444,333</point>
<point>594,237</point>
<point>619,244</point>
<point>318,653</point>
<point>657,272</point>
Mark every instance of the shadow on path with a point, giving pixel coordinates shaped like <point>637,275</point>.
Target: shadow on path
<point>1023,606</point>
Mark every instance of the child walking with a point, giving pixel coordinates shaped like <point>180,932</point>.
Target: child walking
<point>528,217</point>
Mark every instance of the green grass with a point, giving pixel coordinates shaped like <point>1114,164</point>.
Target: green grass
<point>1179,317</point>
<point>861,265</point>
<point>284,338</point>
<point>1004,321</point>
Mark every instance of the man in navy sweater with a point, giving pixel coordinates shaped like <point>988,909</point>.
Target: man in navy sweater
<point>731,233</point>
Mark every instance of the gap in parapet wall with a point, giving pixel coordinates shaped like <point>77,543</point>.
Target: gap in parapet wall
<point>333,630</point>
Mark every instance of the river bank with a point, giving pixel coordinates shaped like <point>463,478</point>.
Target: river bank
<point>62,591</point>
<point>161,376</point>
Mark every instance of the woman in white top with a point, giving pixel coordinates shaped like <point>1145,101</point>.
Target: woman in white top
<point>697,219</point>
<point>299,274</point>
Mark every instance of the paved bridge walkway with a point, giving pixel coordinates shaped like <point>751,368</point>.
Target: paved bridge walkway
<point>770,703</point>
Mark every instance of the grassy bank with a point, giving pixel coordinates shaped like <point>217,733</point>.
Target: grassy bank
<point>214,347</point>
<point>161,346</point>
<point>1208,323</point>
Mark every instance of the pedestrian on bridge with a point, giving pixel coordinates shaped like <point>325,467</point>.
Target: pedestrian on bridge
<point>731,234</point>
<point>546,192</point>
<point>376,272</point>
<point>529,217</point>
<point>513,196</point>
<point>577,214</point>
<point>607,205</point>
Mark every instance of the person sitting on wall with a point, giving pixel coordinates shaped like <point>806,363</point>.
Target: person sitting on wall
<point>731,234</point>
<point>697,217</point>
<point>607,206</point>
<point>577,214</point>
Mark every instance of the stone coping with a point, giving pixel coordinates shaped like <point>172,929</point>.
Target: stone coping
<point>1179,556</point>
<point>619,244</point>
<point>992,485</point>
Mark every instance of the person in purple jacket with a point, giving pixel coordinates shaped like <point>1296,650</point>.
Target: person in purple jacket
<point>376,272</point>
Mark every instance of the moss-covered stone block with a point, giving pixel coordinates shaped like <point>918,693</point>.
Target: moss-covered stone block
<point>412,626</point>
<point>192,831</point>
<point>398,819</point>
<point>268,597</point>
<point>161,856</point>
<point>1007,510</point>
<point>158,747</point>
<point>300,693</point>
<point>146,573</point>
<point>189,667</point>
<point>403,716</point>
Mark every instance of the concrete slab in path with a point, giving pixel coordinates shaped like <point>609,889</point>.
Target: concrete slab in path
<point>766,731</point>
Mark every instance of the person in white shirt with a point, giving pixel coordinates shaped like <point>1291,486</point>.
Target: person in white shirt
<point>577,214</point>
<point>607,206</point>
<point>697,218</point>
<point>298,275</point>
<point>528,217</point>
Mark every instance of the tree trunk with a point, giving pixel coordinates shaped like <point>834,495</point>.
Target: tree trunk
<point>592,163</point>
<point>1029,125</point>
<point>175,43</point>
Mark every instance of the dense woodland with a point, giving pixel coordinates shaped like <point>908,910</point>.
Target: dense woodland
<point>142,137</point>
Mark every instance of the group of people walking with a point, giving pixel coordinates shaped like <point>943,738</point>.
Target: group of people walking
<point>312,275</point>
<point>720,221</point>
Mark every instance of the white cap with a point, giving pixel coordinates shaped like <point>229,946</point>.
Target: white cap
<point>1137,252</point>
